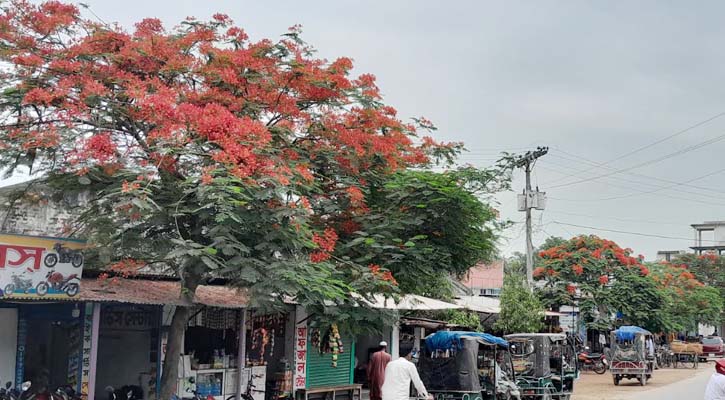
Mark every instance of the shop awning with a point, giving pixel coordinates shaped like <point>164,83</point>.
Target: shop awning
<point>490,305</point>
<point>413,302</point>
<point>157,292</point>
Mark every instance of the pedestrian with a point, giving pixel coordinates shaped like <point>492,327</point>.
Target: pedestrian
<point>716,386</point>
<point>376,371</point>
<point>398,376</point>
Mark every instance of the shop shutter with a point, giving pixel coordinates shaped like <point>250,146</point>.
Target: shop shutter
<point>321,373</point>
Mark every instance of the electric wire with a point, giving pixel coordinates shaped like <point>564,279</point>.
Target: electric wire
<point>630,233</point>
<point>666,138</point>
<point>645,163</point>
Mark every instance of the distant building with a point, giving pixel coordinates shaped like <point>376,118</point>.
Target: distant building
<point>709,237</point>
<point>669,255</point>
<point>485,279</point>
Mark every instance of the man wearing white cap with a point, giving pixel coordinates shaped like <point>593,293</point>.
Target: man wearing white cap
<point>398,377</point>
<point>376,371</point>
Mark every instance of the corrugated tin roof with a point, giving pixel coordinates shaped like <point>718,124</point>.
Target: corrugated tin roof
<point>154,292</point>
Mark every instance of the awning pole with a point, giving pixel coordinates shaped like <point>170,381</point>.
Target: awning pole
<point>241,353</point>
<point>94,351</point>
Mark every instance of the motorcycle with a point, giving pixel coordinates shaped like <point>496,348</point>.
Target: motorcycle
<point>596,362</point>
<point>19,284</point>
<point>5,392</point>
<point>69,285</point>
<point>63,255</point>
<point>128,392</point>
<point>65,392</point>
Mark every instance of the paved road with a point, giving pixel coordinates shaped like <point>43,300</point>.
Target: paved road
<point>691,389</point>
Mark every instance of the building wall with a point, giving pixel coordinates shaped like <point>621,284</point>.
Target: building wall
<point>39,211</point>
<point>8,343</point>
<point>485,277</point>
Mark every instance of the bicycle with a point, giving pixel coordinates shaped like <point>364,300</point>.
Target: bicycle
<point>247,395</point>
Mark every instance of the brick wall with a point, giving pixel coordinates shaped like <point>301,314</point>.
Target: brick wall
<point>38,211</point>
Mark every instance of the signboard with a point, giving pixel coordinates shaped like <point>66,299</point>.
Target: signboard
<point>300,377</point>
<point>38,267</point>
<point>20,357</point>
<point>86,350</point>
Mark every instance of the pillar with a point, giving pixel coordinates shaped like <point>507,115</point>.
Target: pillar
<point>94,351</point>
<point>395,342</point>
<point>419,333</point>
<point>242,354</point>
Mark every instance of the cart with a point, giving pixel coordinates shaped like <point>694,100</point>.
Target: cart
<point>629,355</point>
<point>545,365</point>
<point>467,366</point>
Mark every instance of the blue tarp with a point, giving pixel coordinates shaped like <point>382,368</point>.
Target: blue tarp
<point>446,340</point>
<point>629,332</point>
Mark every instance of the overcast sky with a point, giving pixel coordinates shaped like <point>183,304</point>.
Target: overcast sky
<point>594,81</point>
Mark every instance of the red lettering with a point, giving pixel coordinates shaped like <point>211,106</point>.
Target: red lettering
<point>25,253</point>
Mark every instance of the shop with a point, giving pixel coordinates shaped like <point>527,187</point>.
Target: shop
<point>324,362</point>
<point>42,329</point>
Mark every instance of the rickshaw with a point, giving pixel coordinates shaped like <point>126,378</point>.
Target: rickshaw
<point>629,355</point>
<point>467,366</point>
<point>545,365</point>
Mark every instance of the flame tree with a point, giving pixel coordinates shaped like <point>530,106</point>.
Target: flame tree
<point>603,280</point>
<point>688,301</point>
<point>211,155</point>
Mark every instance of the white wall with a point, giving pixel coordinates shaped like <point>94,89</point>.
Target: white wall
<point>8,343</point>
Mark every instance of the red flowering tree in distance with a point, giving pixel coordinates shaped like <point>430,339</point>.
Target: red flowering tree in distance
<point>603,279</point>
<point>206,153</point>
<point>688,301</point>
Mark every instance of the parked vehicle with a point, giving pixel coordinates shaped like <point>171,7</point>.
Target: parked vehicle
<point>69,285</point>
<point>20,284</point>
<point>467,365</point>
<point>128,392</point>
<point>712,346</point>
<point>545,365</point>
<point>25,392</point>
<point>5,392</point>
<point>596,362</point>
<point>629,355</point>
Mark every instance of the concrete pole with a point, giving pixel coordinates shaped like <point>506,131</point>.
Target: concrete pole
<point>419,333</point>
<point>241,354</point>
<point>529,244</point>
<point>94,351</point>
<point>395,342</point>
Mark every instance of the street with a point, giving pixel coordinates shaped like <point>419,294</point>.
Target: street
<point>665,384</point>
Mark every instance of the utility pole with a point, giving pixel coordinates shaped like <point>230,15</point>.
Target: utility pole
<point>530,199</point>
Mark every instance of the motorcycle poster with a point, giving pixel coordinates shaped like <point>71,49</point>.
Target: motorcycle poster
<point>38,267</point>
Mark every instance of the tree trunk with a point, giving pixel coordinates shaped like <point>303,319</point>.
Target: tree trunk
<point>170,374</point>
<point>170,370</point>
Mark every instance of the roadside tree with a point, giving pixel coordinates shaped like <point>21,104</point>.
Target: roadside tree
<point>687,301</point>
<point>521,310</point>
<point>210,155</point>
<point>604,280</point>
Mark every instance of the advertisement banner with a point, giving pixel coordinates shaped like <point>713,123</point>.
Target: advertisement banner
<point>39,267</point>
<point>300,356</point>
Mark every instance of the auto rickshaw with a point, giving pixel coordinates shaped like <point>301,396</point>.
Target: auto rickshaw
<point>545,365</point>
<point>630,358</point>
<point>467,366</point>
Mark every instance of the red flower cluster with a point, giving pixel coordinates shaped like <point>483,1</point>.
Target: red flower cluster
<point>101,148</point>
<point>603,279</point>
<point>571,289</point>
<point>326,245</point>
<point>577,269</point>
<point>387,276</point>
<point>126,267</point>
